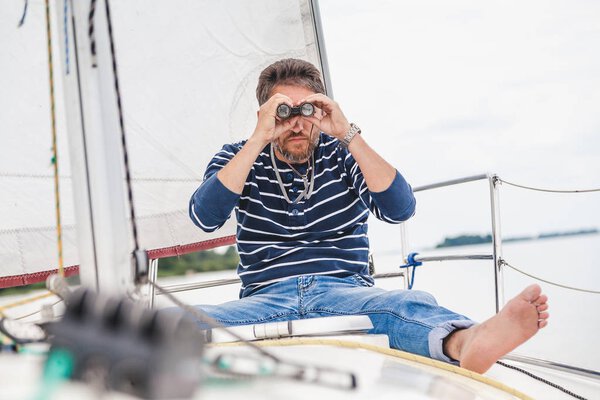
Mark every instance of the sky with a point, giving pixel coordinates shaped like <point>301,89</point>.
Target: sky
<point>445,90</point>
<point>441,89</point>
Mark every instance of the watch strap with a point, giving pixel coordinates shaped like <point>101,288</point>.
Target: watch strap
<point>354,129</point>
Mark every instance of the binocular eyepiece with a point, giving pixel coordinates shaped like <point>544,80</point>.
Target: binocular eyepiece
<point>305,109</point>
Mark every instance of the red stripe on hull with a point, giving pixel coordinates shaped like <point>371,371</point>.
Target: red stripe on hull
<point>179,250</point>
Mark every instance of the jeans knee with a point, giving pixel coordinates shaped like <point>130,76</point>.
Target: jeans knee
<point>419,296</point>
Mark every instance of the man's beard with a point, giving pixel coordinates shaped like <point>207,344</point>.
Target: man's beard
<point>296,158</point>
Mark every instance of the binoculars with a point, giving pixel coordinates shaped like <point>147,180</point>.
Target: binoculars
<point>305,109</point>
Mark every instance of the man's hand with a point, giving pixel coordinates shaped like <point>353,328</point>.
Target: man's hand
<point>331,119</point>
<point>269,126</point>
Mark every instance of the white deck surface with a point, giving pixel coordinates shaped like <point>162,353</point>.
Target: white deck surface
<point>379,376</point>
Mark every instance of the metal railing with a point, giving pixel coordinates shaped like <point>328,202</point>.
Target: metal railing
<point>588,373</point>
<point>496,254</point>
<point>184,287</point>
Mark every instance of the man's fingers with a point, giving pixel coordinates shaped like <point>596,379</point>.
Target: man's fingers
<point>321,101</point>
<point>279,98</point>
<point>275,101</point>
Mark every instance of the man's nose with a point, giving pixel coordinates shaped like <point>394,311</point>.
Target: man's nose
<point>297,127</point>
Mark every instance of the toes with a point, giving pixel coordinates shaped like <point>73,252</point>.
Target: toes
<point>542,323</point>
<point>531,293</point>
<point>542,307</point>
<point>543,315</point>
<point>543,299</point>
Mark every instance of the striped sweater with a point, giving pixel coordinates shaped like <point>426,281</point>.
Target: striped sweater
<point>325,234</point>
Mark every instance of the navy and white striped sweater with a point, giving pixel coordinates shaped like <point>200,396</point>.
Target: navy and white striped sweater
<point>326,234</point>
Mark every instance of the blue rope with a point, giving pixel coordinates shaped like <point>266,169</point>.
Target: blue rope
<point>66,26</point>
<point>411,262</point>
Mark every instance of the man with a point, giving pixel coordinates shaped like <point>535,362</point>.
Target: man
<point>302,187</point>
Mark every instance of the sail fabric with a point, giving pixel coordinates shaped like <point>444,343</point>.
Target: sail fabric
<point>28,237</point>
<point>187,70</point>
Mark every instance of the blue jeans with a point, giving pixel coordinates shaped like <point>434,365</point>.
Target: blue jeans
<point>412,319</point>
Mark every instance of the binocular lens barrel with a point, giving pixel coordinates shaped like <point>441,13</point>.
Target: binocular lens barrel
<point>284,111</point>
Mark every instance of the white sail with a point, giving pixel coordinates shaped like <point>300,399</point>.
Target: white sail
<point>27,206</point>
<point>187,70</point>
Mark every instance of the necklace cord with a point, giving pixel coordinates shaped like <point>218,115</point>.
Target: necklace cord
<point>308,186</point>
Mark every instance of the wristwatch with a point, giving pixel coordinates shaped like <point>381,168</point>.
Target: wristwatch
<point>354,129</point>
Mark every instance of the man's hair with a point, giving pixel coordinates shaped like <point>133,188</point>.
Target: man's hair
<point>289,71</point>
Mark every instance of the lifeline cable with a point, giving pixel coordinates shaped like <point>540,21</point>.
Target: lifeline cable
<point>503,262</point>
<point>61,269</point>
<point>549,190</point>
<point>539,378</point>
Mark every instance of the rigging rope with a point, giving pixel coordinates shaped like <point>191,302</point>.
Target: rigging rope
<point>22,20</point>
<point>539,378</point>
<point>503,262</point>
<point>66,33</point>
<point>24,301</point>
<point>91,33</point>
<point>549,190</point>
<point>61,269</point>
<point>38,311</point>
<point>121,122</point>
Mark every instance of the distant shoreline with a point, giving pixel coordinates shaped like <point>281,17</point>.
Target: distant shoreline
<point>466,239</point>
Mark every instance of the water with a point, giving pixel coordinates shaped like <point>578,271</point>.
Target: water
<point>468,287</point>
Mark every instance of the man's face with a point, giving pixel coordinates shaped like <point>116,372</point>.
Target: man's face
<point>298,143</point>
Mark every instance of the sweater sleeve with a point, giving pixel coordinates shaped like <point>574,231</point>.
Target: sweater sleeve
<point>212,203</point>
<point>395,204</point>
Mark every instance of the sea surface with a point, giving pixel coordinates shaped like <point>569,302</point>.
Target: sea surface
<point>468,288</point>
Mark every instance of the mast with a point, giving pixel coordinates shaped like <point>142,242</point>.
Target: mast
<point>104,232</point>
<point>320,43</point>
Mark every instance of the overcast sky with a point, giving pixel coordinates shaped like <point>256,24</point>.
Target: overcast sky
<point>441,89</point>
<point>451,89</point>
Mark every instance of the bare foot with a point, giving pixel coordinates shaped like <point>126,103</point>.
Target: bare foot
<point>521,318</point>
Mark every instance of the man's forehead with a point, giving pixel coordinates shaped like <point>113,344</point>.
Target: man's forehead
<point>294,92</point>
